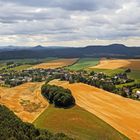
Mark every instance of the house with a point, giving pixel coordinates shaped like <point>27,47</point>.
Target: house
<point>138,94</point>
<point>126,90</point>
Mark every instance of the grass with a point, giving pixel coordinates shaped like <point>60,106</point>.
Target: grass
<point>77,123</point>
<point>22,67</point>
<point>134,74</point>
<point>108,71</point>
<point>84,63</point>
<point>26,63</point>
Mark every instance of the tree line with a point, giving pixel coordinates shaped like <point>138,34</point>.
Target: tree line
<point>12,128</point>
<point>58,96</point>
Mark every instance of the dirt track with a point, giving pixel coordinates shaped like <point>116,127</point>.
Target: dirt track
<point>56,63</point>
<point>25,100</point>
<point>121,113</point>
<point>119,63</point>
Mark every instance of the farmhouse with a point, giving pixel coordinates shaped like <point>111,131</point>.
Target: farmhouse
<point>138,94</point>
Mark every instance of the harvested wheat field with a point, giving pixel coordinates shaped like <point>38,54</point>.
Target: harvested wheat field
<point>118,63</point>
<point>121,113</point>
<point>25,100</point>
<point>56,63</point>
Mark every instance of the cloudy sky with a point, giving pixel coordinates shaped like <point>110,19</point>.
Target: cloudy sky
<point>69,22</point>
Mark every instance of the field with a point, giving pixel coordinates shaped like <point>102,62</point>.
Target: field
<point>78,123</point>
<point>84,63</point>
<point>25,100</point>
<point>121,113</point>
<point>109,72</point>
<point>118,64</point>
<point>114,66</point>
<point>25,63</point>
<point>22,67</point>
<point>81,121</point>
<point>56,63</point>
<point>134,74</point>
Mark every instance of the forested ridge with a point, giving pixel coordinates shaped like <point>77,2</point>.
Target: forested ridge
<point>113,51</point>
<point>12,128</point>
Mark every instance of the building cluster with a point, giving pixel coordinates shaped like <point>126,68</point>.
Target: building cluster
<point>98,79</point>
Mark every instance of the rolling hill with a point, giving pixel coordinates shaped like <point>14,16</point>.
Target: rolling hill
<point>114,51</point>
<point>121,113</point>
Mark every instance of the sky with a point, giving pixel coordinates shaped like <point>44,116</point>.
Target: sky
<point>69,22</point>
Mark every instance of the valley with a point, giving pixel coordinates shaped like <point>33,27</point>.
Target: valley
<point>97,113</point>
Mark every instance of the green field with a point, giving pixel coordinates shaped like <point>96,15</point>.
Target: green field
<point>84,63</point>
<point>78,123</point>
<point>25,63</point>
<point>22,67</point>
<point>108,71</point>
<point>134,74</point>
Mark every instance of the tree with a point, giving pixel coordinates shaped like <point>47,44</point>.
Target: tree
<point>12,128</point>
<point>57,95</point>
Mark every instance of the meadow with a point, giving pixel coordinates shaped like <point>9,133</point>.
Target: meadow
<point>77,123</point>
<point>24,63</point>
<point>84,63</point>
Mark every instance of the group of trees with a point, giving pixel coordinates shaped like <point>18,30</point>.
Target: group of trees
<point>109,86</point>
<point>130,89</point>
<point>12,128</point>
<point>58,96</point>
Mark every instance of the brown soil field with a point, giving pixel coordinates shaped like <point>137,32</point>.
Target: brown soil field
<point>56,63</point>
<point>25,100</point>
<point>119,63</point>
<point>121,113</point>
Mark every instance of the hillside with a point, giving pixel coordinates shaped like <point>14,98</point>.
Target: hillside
<point>121,113</point>
<point>78,123</point>
<point>114,50</point>
<point>12,128</point>
<point>25,100</point>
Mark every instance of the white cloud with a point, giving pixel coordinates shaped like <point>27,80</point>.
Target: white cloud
<point>69,21</point>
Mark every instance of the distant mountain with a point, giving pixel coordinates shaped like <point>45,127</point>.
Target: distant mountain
<point>39,47</point>
<point>11,48</point>
<point>113,51</point>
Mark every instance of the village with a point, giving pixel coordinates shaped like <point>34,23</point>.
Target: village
<point>100,79</point>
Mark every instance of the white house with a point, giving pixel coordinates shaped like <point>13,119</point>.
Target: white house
<point>138,94</point>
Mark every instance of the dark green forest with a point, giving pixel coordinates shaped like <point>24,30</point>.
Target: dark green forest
<point>113,51</point>
<point>58,96</point>
<point>12,128</point>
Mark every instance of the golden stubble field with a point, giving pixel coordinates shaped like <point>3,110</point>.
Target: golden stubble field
<point>25,100</point>
<point>118,63</point>
<point>56,63</point>
<point>121,113</point>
